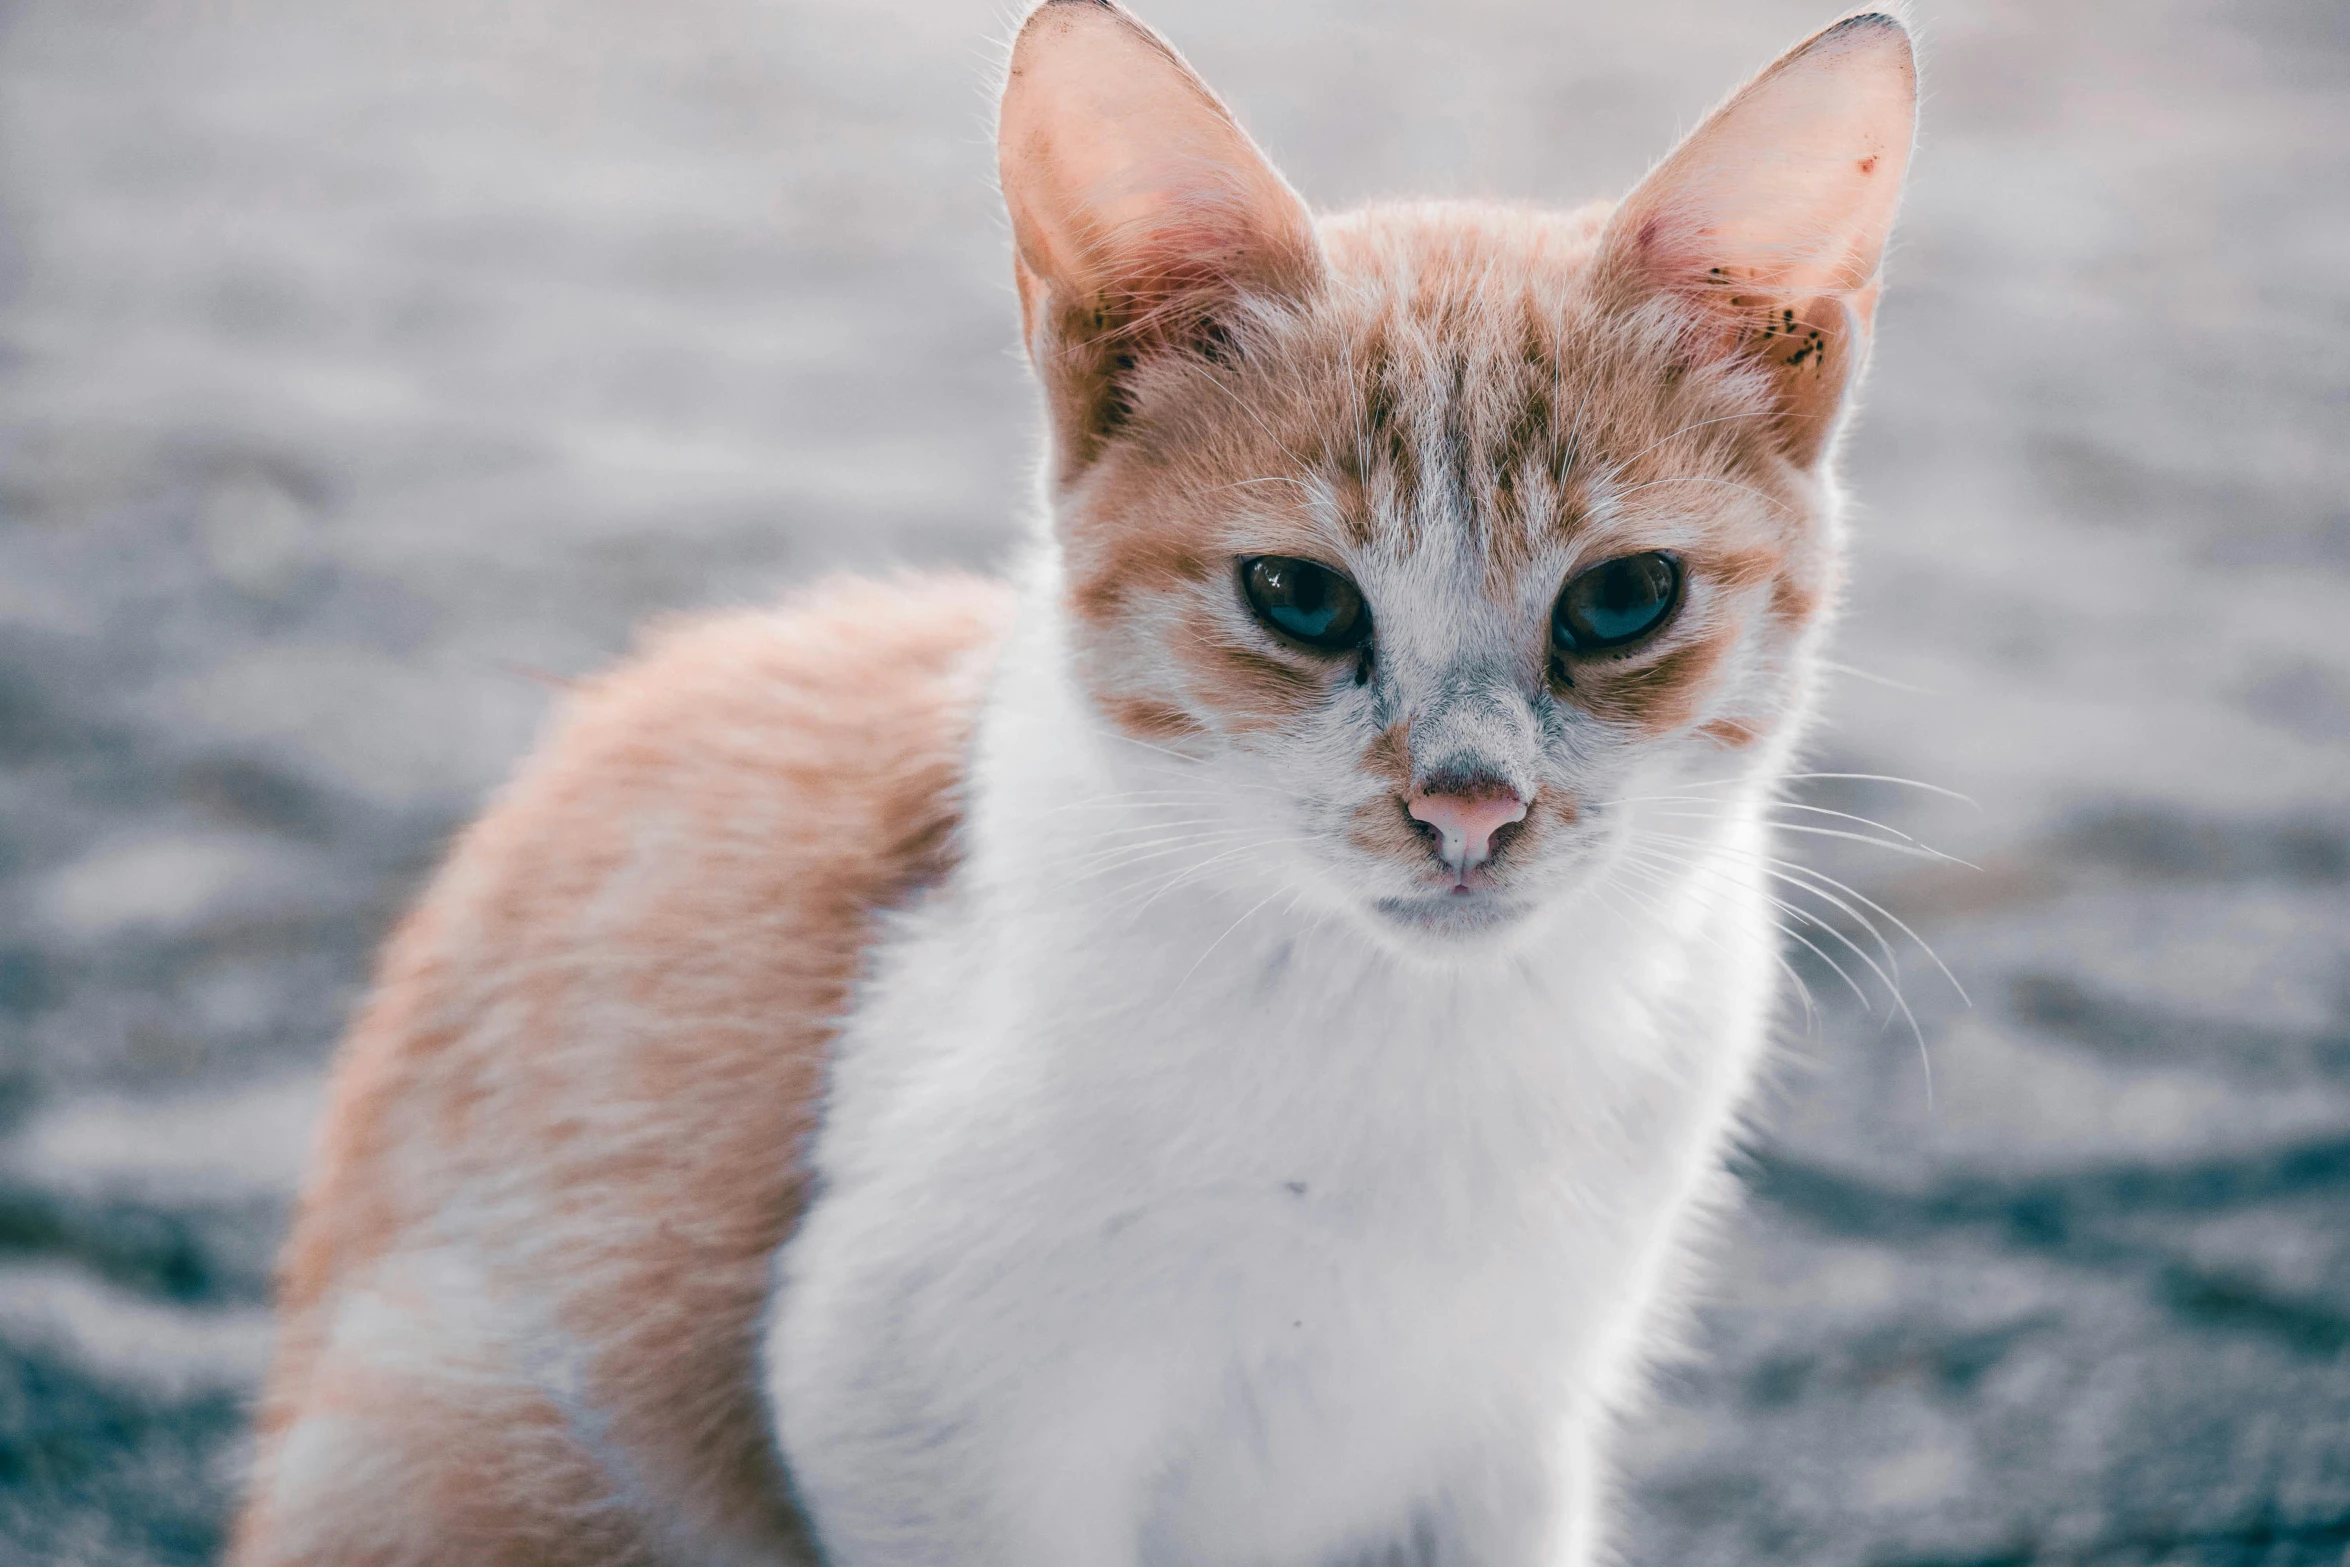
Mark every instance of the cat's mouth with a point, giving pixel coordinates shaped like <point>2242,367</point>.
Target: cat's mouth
<point>1459,913</point>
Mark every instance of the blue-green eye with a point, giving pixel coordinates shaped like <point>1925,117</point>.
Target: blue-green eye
<point>1616,602</point>
<point>1306,603</point>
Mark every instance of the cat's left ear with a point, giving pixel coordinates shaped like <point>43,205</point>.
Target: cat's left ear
<point>1770,220</point>
<point>1142,214</point>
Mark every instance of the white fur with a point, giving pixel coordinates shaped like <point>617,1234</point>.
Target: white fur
<point>1174,1215</point>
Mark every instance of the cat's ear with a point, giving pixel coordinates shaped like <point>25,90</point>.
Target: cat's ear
<point>1142,214</point>
<point>1770,220</point>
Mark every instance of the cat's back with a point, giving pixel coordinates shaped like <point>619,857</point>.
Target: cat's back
<point>522,1294</point>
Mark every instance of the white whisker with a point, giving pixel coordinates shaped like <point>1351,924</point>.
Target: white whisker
<point>1752,413</point>
<point>1615,881</point>
<point>1803,878</point>
<point>1229,929</point>
<point>1772,805</point>
<point>1835,668</point>
<point>1820,883</point>
<point>1787,778</point>
<point>1129,856</point>
<point>1730,484</point>
<point>1797,912</point>
<point>1185,876</point>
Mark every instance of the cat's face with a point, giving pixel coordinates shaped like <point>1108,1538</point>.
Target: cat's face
<point>1444,529</point>
<point>1403,549</point>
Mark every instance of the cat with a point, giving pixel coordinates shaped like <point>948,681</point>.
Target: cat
<point>1217,1052</point>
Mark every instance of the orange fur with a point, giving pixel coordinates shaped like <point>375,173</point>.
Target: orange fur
<point>521,1307</point>
<point>611,1011</point>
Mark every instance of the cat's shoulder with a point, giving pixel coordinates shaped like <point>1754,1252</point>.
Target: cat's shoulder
<point>853,685</point>
<point>826,736</point>
<point>701,838</point>
<point>653,930</point>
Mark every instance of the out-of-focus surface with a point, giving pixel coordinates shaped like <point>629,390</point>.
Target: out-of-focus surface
<point>366,369</point>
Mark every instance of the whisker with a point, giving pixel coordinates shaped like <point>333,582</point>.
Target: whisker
<point>1184,876</point>
<point>1180,756</point>
<point>1773,805</point>
<point>1910,848</point>
<point>1242,404</point>
<point>1900,1001</point>
<point>1732,484</point>
<point>1836,668</point>
<point>1782,778</point>
<point>1116,855</point>
<point>1229,929</point>
<point>1145,799</point>
<point>1786,873</point>
<point>1819,883</point>
<point>1914,851</point>
<point>1658,913</point>
<point>1721,816</point>
<point>1238,484</point>
<point>1752,413</point>
<point>1140,813</point>
<point>1574,451</point>
<point>1180,835</point>
<point>1883,778</point>
<point>1617,882</point>
<point>1796,911</point>
<point>1791,867</point>
<point>1131,855</point>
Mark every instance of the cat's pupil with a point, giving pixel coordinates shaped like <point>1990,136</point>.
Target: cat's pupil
<point>1617,602</point>
<point>1306,602</point>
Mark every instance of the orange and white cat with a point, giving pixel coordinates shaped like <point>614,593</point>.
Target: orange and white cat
<point>1213,1055</point>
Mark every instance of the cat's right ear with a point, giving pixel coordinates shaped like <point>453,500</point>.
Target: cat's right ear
<point>1142,214</point>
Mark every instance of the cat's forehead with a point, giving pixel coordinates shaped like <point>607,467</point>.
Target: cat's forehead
<point>1457,384</point>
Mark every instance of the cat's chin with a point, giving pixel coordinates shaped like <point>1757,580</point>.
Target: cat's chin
<point>1457,920</point>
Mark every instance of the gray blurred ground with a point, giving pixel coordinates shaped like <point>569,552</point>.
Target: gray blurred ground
<point>367,368</point>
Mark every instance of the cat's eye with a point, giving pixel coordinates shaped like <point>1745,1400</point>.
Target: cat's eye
<point>1616,602</point>
<point>1306,603</point>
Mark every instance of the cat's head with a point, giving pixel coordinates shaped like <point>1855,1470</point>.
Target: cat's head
<point>1426,534</point>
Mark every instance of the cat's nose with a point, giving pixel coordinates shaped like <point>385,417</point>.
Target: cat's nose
<point>1466,822</point>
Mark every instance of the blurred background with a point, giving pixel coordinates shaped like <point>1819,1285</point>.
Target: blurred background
<point>369,369</point>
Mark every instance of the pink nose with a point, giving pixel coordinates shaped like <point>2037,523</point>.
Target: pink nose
<point>1464,826</point>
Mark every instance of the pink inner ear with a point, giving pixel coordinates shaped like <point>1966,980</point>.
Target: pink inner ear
<point>1791,186</point>
<point>1126,177</point>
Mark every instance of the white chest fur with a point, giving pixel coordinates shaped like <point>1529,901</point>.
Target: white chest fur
<point>1204,1234</point>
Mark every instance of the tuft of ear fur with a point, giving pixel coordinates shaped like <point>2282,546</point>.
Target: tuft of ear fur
<point>1770,219</point>
<point>1142,214</point>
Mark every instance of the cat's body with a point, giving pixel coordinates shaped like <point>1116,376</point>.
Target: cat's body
<point>1234,1239</point>
<point>1217,1064</point>
<point>520,1314</point>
